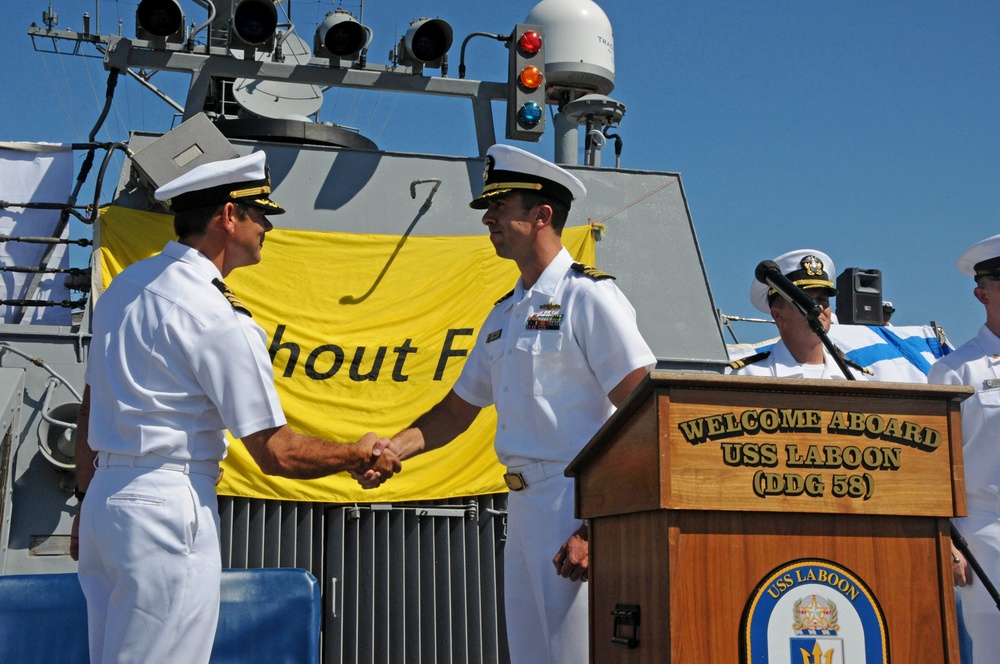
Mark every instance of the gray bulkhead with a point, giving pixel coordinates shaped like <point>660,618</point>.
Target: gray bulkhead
<point>649,244</point>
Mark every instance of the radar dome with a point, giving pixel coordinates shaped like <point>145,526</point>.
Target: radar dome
<point>579,46</point>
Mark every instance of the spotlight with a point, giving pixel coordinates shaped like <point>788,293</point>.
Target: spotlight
<point>57,436</point>
<point>425,44</point>
<point>160,20</point>
<point>252,25</point>
<point>340,37</point>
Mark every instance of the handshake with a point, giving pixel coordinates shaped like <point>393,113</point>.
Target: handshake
<point>381,461</point>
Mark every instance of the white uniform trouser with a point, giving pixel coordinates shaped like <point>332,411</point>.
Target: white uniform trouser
<point>150,566</point>
<point>547,615</point>
<point>982,619</point>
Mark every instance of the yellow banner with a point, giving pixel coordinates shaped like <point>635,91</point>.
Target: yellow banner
<point>366,332</point>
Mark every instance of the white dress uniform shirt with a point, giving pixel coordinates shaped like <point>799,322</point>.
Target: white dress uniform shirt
<point>977,364</point>
<point>172,365</point>
<point>547,357</point>
<point>550,383</point>
<point>781,364</point>
<point>179,364</point>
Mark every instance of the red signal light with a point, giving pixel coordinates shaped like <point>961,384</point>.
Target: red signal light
<point>530,42</point>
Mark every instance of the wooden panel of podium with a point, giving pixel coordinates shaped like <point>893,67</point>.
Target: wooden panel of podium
<point>766,521</point>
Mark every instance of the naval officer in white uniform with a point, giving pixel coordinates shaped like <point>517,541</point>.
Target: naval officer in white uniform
<point>977,363</point>
<point>175,360</point>
<point>555,356</point>
<point>800,353</point>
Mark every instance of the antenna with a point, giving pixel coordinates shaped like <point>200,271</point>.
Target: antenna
<point>281,99</point>
<point>50,18</point>
<point>594,112</point>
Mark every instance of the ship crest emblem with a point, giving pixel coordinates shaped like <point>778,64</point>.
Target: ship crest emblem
<point>815,618</point>
<point>812,611</point>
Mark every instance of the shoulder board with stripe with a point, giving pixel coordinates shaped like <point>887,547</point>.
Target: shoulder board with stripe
<point>231,296</point>
<point>855,365</point>
<point>591,272</point>
<point>504,297</point>
<point>747,361</point>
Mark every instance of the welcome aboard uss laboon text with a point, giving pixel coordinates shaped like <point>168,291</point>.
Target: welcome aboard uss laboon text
<point>864,460</point>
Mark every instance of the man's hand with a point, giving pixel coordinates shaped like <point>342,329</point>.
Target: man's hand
<point>383,462</point>
<point>573,559</point>
<point>432,430</point>
<point>282,452</point>
<point>960,569</point>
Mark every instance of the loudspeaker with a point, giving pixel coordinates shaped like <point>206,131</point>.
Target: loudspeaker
<point>859,297</point>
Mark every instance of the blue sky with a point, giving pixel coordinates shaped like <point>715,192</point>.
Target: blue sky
<point>869,130</point>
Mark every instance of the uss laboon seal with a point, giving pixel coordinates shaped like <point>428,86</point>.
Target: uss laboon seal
<point>813,611</point>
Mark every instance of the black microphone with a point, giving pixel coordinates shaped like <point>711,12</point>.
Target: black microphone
<point>769,273</point>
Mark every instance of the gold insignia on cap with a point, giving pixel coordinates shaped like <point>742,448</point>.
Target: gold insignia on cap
<point>265,203</point>
<point>489,167</point>
<point>812,265</point>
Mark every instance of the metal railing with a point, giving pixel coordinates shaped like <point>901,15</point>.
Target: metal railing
<point>410,582</point>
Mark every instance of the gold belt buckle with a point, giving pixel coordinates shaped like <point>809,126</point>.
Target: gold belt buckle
<point>514,481</point>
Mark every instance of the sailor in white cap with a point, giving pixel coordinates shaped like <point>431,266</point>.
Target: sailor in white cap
<point>887,311</point>
<point>176,360</point>
<point>556,356</point>
<point>800,353</point>
<point>977,363</point>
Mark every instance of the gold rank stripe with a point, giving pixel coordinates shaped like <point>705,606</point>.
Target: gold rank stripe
<point>591,272</point>
<point>237,304</point>
<point>231,296</point>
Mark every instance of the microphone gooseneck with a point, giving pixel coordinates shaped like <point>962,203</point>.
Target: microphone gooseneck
<point>767,272</point>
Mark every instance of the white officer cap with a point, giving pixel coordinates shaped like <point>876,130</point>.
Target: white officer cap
<point>511,169</point>
<point>806,268</point>
<point>241,180</point>
<point>981,259</point>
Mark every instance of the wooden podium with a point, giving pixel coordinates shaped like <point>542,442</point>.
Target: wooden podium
<point>767,520</point>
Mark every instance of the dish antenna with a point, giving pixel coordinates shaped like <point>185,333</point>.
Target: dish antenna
<point>280,99</point>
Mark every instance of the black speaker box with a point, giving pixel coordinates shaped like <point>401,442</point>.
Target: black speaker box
<point>859,297</point>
